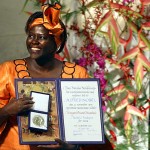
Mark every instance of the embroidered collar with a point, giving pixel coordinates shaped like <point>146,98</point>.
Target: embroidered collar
<point>21,68</point>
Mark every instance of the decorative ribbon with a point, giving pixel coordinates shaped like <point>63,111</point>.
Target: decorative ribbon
<point>51,21</point>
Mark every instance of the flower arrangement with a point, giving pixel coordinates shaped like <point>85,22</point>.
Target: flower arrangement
<point>113,44</point>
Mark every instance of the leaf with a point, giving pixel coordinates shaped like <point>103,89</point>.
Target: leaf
<point>112,122</point>
<point>138,69</point>
<point>57,56</point>
<point>146,25</point>
<point>126,42</point>
<point>92,3</point>
<point>135,111</point>
<point>127,117</point>
<point>120,88</point>
<point>142,46</point>
<point>145,40</point>
<point>131,95</point>
<point>66,53</point>
<point>132,26</point>
<point>140,34</point>
<point>127,125</point>
<point>104,21</point>
<point>24,5</point>
<point>125,10</point>
<point>55,1</point>
<point>102,33</point>
<point>144,61</point>
<point>113,63</point>
<point>113,35</point>
<point>138,73</point>
<point>68,15</point>
<point>130,54</point>
<point>83,8</point>
<point>122,104</point>
<point>145,2</point>
<point>114,137</point>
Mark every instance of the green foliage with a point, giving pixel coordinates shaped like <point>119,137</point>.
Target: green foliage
<point>25,4</point>
<point>67,16</point>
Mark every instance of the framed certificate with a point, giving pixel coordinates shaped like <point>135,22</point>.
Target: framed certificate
<point>44,88</point>
<point>68,109</point>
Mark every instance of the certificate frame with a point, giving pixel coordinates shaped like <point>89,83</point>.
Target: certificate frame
<point>59,107</point>
<point>23,87</point>
<point>86,92</point>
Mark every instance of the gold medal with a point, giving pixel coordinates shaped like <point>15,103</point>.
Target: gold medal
<point>38,120</point>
